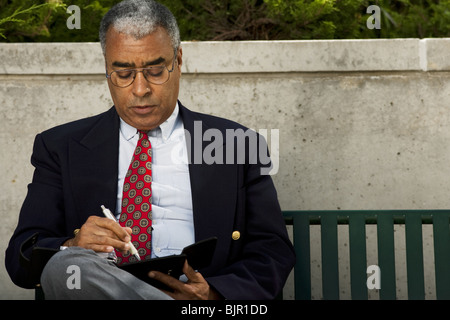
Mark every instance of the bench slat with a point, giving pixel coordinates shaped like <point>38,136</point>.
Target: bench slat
<point>441,236</point>
<point>358,258</point>
<point>330,266</point>
<point>386,256</point>
<point>302,271</point>
<point>414,256</point>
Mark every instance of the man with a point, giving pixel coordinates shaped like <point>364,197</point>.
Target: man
<point>85,164</point>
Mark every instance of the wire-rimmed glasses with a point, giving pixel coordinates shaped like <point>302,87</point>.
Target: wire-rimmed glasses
<point>156,74</point>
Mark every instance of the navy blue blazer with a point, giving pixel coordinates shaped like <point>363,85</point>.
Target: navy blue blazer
<point>76,170</point>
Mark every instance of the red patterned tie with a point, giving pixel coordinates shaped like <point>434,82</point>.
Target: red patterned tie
<point>137,200</point>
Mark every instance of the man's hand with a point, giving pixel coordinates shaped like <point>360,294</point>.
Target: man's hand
<point>101,235</point>
<point>196,288</point>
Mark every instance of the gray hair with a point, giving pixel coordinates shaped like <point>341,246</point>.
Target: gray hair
<point>139,18</point>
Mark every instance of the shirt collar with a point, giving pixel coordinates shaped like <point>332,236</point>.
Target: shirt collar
<point>164,130</point>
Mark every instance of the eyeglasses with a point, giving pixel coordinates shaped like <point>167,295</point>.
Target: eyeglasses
<point>156,75</point>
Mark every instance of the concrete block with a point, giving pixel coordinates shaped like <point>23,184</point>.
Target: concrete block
<point>437,54</point>
<point>302,56</point>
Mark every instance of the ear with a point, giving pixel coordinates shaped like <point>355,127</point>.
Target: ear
<point>180,57</point>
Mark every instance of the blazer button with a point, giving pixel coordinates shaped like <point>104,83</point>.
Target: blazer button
<point>235,235</point>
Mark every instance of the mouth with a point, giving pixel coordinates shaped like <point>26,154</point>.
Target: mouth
<point>144,109</point>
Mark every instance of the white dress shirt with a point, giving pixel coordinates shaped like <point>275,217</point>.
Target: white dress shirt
<point>173,226</point>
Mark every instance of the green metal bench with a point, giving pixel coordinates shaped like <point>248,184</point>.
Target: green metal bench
<point>384,220</point>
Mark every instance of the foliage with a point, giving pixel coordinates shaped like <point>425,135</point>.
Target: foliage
<point>418,19</point>
<point>221,19</point>
<point>46,20</point>
<point>91,15</point>
<point>202,20</point>
<point>26,19</point>
<point>346,19</point>
<point>308,19</point>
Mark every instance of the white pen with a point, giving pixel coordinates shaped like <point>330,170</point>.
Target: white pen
<point>109,215</point>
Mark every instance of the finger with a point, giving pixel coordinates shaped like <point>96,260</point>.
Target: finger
<point>196,288</point>
<point>101,234</point>
<point>117,230</point>
<point>100,242</point>
<point>108,242</point>
<point>169,281</point>
<point>128,230</point>
<point>166,279</point>
<point>191,274</point>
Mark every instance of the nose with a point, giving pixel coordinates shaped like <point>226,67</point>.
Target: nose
<point>141,86</point>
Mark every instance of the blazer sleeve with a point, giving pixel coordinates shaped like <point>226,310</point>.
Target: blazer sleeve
<point>41,212</point>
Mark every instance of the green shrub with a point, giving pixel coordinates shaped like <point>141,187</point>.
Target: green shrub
<point>202,20</point>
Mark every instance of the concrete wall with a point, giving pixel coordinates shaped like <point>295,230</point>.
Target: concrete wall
<point>362,124</point>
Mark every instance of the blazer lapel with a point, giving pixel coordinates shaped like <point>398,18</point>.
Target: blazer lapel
<point>94,166</point>
<point>214,196</point>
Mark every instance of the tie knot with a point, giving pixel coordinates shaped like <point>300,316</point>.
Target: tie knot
<point>142,134</point>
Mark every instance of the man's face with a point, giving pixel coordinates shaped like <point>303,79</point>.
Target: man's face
<point>143,105</point>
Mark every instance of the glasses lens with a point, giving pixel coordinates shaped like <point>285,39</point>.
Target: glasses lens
<point>156,75</point>
<point>122,78</point>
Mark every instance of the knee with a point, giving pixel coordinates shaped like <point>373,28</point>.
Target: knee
<point>60,271</point>
<point>60,261</point>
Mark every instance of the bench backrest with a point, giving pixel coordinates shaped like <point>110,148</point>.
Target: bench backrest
<point>357,221</point>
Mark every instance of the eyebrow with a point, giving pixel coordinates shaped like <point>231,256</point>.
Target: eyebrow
<point>120,64</point>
